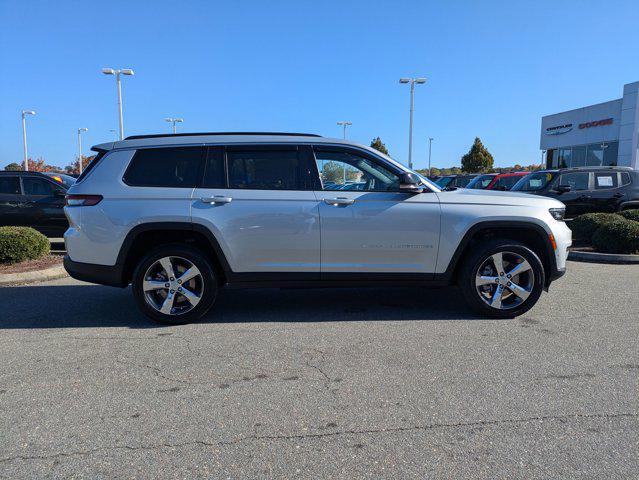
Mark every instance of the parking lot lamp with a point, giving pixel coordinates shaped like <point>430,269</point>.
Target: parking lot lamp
<point>430,145</point>
<point>174,121</point>
<point>117,73</point>
<point>345,124</point>
<point>412,82</point>
<point>24,136</point>
<point>80,130</point>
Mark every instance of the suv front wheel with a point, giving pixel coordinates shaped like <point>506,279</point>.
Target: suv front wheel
<point>174,284</point>
<point>502,278</point>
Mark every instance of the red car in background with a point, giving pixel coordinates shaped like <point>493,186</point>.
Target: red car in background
<point>496,181</point>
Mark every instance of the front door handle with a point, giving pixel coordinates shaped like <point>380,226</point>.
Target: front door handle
<point>217,199</point>
<point>339,201</point>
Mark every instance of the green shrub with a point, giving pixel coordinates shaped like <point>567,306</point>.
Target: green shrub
<point>631,214</point>
<point>617,237</point>
<point>22,243</point>
<point>584,226</point>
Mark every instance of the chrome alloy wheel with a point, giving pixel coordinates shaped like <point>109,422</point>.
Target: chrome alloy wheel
<point>173,285</point>
<point>505,280</point>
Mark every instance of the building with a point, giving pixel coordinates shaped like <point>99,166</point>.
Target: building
<point>602,134</point>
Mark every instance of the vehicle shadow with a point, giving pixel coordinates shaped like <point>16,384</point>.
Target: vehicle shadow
<point>86,305</point>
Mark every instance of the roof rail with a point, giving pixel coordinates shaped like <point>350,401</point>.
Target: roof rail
<point>202,134</point>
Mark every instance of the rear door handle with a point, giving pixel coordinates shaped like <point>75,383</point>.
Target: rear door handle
<point>217,199</point>
<point>339,201</point>
<point>618,195</point>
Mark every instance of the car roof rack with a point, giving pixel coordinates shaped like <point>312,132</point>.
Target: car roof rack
<point>205,134</point>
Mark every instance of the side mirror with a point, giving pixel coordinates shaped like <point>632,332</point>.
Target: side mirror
<point>59,193</point>
<point>409,182</point>
<point>564,188</point>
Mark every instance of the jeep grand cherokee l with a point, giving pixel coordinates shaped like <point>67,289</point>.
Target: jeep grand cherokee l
<point>179,216</point>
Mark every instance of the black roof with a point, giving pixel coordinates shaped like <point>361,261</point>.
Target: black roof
<point>201,134</point>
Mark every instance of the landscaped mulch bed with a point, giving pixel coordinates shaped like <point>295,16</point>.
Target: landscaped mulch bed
<point>32,265</point>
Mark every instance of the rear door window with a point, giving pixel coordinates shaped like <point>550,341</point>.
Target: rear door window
<point>9,185</point>
<point>266,169</point>
<point>507,182</point>
<point>38,187</point>
<point>576,180</point>
<point>165,167</point>
<point>604,180</point>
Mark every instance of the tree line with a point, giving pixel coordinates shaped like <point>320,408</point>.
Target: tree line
<point>39,165</point>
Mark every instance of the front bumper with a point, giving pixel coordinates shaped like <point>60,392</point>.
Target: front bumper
<point>112,275</point>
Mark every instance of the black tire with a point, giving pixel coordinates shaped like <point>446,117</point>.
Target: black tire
<point>208,284</point>
<point>474,261</point>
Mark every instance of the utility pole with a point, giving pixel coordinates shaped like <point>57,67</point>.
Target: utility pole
<point>24,137</point>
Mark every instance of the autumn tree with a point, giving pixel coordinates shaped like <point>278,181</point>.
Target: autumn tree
<point>74,167</point>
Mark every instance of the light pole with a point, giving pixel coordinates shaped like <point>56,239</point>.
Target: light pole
<point>345,124</point>
<point>412,82</point>
<point>117,73</point>
<point>174,121</point>
<point>24,136</point>
<point>80,130</point>
<point>430,145</point>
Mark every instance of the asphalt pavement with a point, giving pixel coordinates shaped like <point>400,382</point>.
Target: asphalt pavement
<point>327,383</point>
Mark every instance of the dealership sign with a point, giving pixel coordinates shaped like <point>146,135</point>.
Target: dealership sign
<point>596,123</point>
<point>559,129</point>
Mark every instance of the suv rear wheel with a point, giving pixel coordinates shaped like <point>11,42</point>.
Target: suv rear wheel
<point>502,278</point>
<point>174,284</point>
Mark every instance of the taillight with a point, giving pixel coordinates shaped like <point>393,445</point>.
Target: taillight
<point>82,200</point>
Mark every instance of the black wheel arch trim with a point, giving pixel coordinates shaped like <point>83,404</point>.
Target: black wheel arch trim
<point>175,226</point>
<point>511,224</point>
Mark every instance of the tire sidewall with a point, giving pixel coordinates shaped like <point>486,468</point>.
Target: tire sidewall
<point>476,261</point>
<point>193,255</point>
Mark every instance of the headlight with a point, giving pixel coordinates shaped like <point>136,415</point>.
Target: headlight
<point>557,213</point>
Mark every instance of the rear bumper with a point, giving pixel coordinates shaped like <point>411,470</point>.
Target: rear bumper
<point>111,275</point>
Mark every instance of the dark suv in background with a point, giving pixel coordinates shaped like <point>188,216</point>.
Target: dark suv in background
<point>586,189</point>
<point>32,199</point>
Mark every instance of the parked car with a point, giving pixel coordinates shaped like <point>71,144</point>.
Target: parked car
<point>586,189</point>
<point>459,181</point>
<point>498,181</point>
<point>66,180</point>
<point>179,216</point>
<point>480,182</point>
<point>33,199</point>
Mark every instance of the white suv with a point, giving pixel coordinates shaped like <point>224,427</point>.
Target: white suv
<point>179,216</point>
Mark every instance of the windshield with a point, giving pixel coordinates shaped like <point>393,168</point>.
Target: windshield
<point>534,182</point>
<point>444,181</point>
<point>481,182</point>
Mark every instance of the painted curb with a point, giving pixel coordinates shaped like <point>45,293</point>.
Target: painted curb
<point>593,257</point>
<point>51,273</point>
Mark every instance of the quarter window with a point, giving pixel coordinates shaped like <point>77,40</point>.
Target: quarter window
<point>605,180</point>
<point>348,172</point>
<point>576,180</point>
<point>625,178</point>
<point>165,167</point>
<point>38,186</point>
<point>9,185</point>
<point>265,170</point>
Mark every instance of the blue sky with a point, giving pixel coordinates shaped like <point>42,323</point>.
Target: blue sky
<point>493,69</point>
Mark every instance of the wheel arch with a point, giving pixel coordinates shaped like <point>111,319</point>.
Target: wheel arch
<point>530,234</point>
<point>145,236</point>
